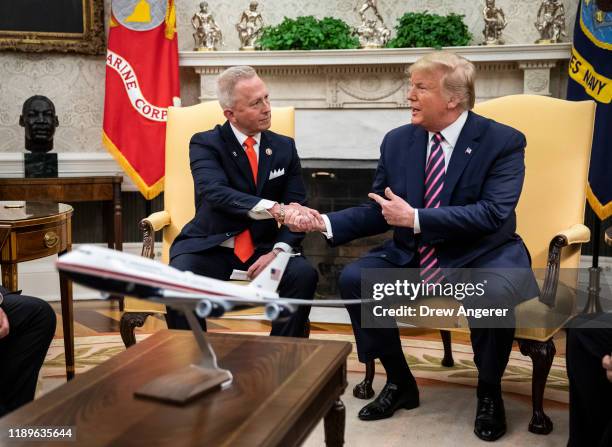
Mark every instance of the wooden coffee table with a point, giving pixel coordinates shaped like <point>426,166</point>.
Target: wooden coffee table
<point>282,387</point>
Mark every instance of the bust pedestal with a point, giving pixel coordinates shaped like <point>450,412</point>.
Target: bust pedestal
<point>40,165</point>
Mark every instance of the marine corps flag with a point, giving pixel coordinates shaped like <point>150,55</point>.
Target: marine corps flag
<point>590,77</point>
<point>141,81</point>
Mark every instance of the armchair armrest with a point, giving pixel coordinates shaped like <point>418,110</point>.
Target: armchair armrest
<point>576,234</point>
<point>149,225</point>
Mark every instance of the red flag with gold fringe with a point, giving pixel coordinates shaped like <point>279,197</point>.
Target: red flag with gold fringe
<point>141,81</point>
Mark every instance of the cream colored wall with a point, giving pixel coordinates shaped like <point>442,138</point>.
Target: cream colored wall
<point>76,83</point>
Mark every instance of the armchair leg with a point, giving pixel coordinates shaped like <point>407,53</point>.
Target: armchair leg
<point>307,329</point>
<point>129,322</point>
<point>541,354</point>
<point>364,389</point>
<point>448,360</point>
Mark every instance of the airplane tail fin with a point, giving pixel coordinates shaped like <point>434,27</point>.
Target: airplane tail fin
<point>270,277</point>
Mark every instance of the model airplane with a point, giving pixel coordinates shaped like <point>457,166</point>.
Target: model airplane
<point>121,273</point>
<point>115,272</point>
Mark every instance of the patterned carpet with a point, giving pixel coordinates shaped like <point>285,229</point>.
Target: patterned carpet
<point>423,357</point>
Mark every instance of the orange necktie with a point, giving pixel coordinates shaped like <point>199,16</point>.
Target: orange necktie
<point>243,243</point>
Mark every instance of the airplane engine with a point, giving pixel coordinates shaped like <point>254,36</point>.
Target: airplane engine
<point>214,309</point>
<point>277,311</point>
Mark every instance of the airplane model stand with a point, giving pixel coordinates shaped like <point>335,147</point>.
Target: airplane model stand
<point>193,381</point>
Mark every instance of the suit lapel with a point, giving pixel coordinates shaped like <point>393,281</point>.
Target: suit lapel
<point>264,162</point>
<point>462,153</point>
<point>415,174</point>
<point>237,153</point>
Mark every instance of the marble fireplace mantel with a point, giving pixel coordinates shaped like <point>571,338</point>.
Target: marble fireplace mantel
<point>329,87</point>
<point>368,78</point>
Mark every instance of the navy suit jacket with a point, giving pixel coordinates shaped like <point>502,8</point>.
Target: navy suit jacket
<point>475,224</point>
<point>225,190</point>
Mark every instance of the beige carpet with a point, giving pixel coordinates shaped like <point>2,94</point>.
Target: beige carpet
<point>445,417</point>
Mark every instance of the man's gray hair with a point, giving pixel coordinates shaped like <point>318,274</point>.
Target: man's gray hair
<point>458,75</point>
<point>226,83</point>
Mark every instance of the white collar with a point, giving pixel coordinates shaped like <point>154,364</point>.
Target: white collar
<point>242,137</point>
<point>451,133</point>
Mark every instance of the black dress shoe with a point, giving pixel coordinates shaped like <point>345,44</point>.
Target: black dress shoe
<point>490,421</point>
<point>390,399</point>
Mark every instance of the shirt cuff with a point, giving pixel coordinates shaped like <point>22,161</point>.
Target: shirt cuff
<point>328,229</point>
<point>260,210</point>
<point>417,224</point>
<point>284,247</point>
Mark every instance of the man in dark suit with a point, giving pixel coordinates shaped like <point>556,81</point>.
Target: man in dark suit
<point>589,370</point>
<point>243,175</point>
<point>27,326</point>
<point>447,185</point>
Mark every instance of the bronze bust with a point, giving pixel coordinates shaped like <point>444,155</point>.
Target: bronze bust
<point>39,120</point>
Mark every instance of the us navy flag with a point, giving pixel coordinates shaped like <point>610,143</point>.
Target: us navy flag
<point>590,77</point>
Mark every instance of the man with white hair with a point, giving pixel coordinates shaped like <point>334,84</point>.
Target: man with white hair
<point>447,185</point>
<point>243,175</point>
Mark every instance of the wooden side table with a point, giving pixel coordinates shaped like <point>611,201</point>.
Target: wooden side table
<point>34,230</point>
<point>106,189</point>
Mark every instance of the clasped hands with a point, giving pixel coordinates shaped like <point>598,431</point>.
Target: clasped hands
<point>298,218</point>
<point>396,211</point>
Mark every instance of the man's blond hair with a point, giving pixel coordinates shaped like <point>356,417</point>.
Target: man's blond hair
<point>458,75</point>
<point>226,83</point>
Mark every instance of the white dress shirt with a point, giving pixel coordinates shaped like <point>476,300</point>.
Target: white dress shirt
<point>450,135</point>
<point>260,210</point>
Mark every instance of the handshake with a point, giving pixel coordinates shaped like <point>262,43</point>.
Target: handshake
<point>298,218</point>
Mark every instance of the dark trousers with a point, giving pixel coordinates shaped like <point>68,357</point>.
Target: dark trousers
<point>22,352</point>
<point>298,281</point>
<point>491,345</point>
<point>590,390</point>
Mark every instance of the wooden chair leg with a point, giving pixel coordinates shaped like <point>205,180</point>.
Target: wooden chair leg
<point>364,389</point>
<point>129,322</point>
<point>307,329</point>
<point>448,360</point>
<point>541,354</point>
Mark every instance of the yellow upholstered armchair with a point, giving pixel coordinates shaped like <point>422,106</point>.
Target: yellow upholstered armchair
<point>550,214</point>
<point>179,205</point>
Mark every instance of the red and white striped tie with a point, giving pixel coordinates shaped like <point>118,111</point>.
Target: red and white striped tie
<point>434,182</point>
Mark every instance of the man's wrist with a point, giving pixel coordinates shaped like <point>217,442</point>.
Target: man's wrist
<point>281,216</point>
<point>278,212</point>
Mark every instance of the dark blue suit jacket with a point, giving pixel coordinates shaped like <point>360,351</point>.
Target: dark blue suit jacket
<point>225,190</point>
<point>476,223</point>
